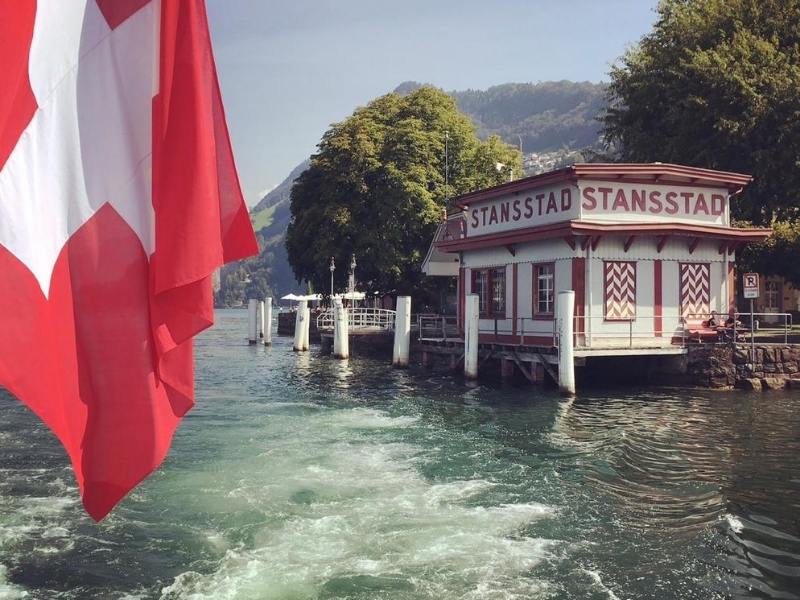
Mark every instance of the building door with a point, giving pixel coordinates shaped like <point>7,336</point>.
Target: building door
<point>773,296</point>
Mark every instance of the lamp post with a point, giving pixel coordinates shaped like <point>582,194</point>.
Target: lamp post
<point>332,267</point>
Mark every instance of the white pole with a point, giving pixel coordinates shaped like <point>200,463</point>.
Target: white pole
<point>268,321</point>
<point>471,309</point>
<point>299,326</point>
<point>566,359</point>
<point>252,322</point>
<point>306,328</point>
<point>341,340</point>
<point>260,320</point>
<point>402,332</point>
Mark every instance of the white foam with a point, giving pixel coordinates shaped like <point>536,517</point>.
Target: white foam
<point>598,581</point>
<point>349,504</point>
<point>8,591</point>
<point>734,523</point>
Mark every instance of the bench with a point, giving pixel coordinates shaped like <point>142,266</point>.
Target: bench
<point>697,330</point>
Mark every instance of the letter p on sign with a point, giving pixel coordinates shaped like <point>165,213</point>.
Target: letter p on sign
<point>750,286</point>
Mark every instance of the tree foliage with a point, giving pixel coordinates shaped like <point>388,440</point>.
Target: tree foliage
<point>715,84</point>
<point>376,188</point>
<point>779,254</point>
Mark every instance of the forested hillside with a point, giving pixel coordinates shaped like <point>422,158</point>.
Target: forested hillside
<point>547,116</point>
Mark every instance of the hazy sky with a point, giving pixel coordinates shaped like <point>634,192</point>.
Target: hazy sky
<point>290,68</point>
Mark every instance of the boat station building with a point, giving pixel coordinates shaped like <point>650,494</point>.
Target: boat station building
<point>647,249</point>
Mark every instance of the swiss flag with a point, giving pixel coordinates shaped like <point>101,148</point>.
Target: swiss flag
<point>118,200</point>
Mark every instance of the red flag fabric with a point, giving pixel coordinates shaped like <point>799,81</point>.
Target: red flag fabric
<point>118,200</point>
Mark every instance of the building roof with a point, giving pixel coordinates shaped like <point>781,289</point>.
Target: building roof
<point>663,173</point>
<point>575,228</point>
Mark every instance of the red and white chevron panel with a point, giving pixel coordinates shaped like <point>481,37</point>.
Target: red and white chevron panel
<point>695,289</point>
<point>620,277</point>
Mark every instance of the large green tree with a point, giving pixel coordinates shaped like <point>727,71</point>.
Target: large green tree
<point>377,187</point>
<point>717,84</point>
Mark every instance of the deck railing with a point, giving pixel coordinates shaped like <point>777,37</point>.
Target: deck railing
<point>438,328</point>
<point>365,319</point>
<point>599,332</point>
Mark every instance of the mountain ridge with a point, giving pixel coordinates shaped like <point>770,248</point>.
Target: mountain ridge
<point>540,117</point>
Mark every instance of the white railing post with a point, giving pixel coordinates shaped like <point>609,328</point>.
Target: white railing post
<point>268,321</point>
<point>341,340</point>
<point>630,333</point>
<point>566,360</point>
<point>252,320</point>
<point>402,332</point>
<point>300,330</point>
<point>471,310</point>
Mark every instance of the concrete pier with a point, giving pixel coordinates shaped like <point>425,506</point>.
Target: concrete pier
<point>565,306</point>
<point>341,337</point>
<point>267,335</point>
<point>471,313</point>
<point>301,327</point>
<point>260,315</point>
<point>402,332</point>
<point>252,320</point>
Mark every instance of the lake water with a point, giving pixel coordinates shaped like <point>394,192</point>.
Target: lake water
<point>300,477</point>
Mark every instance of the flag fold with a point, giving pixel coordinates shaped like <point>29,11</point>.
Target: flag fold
<point>119,199</point>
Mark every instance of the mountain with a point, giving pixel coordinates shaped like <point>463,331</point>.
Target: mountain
<point>269,273</point>
<point>548,116</point>
<point>553,119</point>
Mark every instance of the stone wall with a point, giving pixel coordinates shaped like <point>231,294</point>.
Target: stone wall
<point>725,366</point>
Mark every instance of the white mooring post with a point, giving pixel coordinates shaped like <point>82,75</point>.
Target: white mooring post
<point>300,327</point>
<point>252,320</point>
<point>402,332</point>
<point>306,328</point>
<point>471,310</point>
<point>267,321</point>
<point>260,320</point>
<point>341,340</point>
<point>566,360</point>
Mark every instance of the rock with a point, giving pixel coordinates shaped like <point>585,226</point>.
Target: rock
<point>741,356</point>
<point>720,382</point>
<point>751,384</point>
<point>790,367</point>
<point>773,383</point>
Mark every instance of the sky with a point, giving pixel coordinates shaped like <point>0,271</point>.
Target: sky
<point>290,68</point>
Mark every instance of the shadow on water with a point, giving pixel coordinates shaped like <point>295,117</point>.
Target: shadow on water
<point>299,476</point>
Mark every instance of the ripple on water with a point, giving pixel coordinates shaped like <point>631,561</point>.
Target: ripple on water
<point>301,477</point>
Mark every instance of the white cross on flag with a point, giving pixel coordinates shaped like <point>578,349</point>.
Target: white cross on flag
<point>118,200</point>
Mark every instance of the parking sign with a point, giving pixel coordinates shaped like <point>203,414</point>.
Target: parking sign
<point>750,281</point>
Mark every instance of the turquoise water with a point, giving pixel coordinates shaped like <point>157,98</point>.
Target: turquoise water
<point>300,477</point>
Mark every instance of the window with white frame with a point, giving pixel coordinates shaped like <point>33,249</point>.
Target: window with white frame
<point>543,289</point>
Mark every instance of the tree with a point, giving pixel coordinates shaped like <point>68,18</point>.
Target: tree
<point>777,255</point>
<point>715,84</point>
<point>376,188</point>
